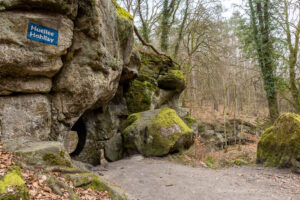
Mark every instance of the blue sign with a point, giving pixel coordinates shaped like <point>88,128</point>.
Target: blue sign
<point>42,34</point>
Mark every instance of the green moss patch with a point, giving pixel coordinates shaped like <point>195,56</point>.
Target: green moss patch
<point>190,121</point>
<point>53,159</point>
<point>121,11</point>
<point>139,96</point>
<point>173,80</point>
<point>168,117</point>
<point>12,185</point>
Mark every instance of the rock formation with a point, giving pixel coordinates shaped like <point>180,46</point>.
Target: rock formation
<point>70,73</point>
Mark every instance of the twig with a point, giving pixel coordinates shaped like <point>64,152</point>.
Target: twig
<point>151,46</point>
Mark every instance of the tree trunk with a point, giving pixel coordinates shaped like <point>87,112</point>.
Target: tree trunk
<point>164,40</point>
<point>260,21</point>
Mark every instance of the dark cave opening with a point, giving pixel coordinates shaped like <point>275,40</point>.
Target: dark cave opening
<point>80,128</point>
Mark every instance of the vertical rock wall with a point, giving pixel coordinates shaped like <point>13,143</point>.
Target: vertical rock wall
<point>46,87</point>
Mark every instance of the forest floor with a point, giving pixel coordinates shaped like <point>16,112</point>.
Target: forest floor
<point>164,179</point>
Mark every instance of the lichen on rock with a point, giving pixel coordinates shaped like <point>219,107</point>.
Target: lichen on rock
<point>280,144</point>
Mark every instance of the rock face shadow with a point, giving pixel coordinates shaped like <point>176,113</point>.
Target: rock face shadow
<point>80,128</point>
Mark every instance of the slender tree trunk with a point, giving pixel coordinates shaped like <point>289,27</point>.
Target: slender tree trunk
<point>164,40</point>
<point>181,29</point>
<point>293,51</point>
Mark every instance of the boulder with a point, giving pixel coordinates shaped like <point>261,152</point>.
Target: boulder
<point>22,57</point>
<point>26,115</point>
<point>42,154</point>
<point>97,183</point>
<point>279,145</point>
<point>156,132</point>
<point>174,80</point>
<point>67,7</point>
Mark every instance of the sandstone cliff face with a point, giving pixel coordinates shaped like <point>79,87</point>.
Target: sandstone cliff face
<point>87,81</point>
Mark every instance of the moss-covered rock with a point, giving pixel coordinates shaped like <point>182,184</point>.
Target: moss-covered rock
<point>139,96</point>
<point>12,186</point>
<point>125,31</point>
<point>280,144</point>
<point>156,133</point>
<point>173,80</point>
<point>122,12</point>
<point>158,83</point>
<point>44,154</point>
<point>89,180</point>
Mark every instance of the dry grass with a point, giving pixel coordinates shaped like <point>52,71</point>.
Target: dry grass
<point>200,155</point>
<point>206,114</point>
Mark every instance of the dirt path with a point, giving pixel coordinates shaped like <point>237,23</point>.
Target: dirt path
<point>159,179</point>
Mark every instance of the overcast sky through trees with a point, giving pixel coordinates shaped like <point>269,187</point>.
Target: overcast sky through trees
<point>229,6</point>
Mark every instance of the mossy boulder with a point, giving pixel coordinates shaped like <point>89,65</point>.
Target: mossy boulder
<point>156,133</point>
<point>97,183</point>
<point>12,186</point>
<point>173,80</point>
<point>279,145</point>
<point>43,154</point>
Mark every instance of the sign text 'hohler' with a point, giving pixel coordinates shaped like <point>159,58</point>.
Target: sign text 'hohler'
<point>42,34</point>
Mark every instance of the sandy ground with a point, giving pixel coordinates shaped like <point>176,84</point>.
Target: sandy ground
<point>159,179</point>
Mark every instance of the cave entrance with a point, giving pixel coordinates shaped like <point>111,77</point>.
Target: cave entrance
<point>80,128</point>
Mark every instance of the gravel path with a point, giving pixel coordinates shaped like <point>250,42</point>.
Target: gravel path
<point>159,179</point>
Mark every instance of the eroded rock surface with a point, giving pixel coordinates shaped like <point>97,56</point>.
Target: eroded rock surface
<point>28,115</point>
<point>67,7</point>
<point>91,74</point>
